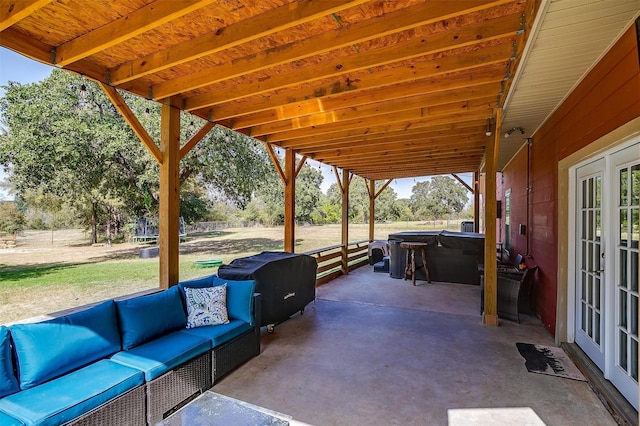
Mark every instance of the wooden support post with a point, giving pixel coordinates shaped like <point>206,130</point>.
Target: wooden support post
<point>169,240</point>
<point>289,200</point>
<point>372,208</point>
<point>345,221</point>
<point>476,202</point>
<point>490,314</point>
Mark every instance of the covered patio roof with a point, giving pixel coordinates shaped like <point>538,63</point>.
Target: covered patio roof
<point>383,89</point>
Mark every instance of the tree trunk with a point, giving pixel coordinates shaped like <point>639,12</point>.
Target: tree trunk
<point>94,223</point>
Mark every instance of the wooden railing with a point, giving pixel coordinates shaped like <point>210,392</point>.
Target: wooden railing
<point>337,260</point>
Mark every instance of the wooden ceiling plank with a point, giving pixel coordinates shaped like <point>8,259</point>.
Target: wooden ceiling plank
<point>394,146</point>
<point>14,11</point>
<point>401,156</point>
<point>457,121</point>
<point>387,138</point>
<point>489,90</point>
<point>140,21</point>
<point>420,117</point>
<point>400,20</point>
<point>245,117</point>
<point>448,64</point>
<point>439,42</point>
<point>261,25</point>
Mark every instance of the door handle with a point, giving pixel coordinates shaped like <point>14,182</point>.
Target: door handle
<point>597,271</point>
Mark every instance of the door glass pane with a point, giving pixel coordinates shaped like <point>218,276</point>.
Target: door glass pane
<point>598,226</point>
<point>624,187</point>
<point>590,225</point>
<point>590,193</point>
<point>583,294</point>
<point>590,290</point>
<point>623,268</point>
<point>634,315</point>
<point>623,227</point>
<point>597,293</point>
<point>596,329</point>
<point>589,321</point>
<point>622,359</point>
<point>583,234</point>
<point>583,323</point>
<point>584,195</point>
<point>634,272</point>
<point>634,359</point>
<point>635,185</point>
<point>635,228</point>
<point>622,319</point>
<point>598,191</point>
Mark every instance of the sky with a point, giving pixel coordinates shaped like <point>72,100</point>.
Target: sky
<point>14,67</point>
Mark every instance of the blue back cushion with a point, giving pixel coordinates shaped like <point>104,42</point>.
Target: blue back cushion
<point>239,298</point>
<point>145,317</point>
<point>8,381</point>
<point>50,349</point>
<point>239,295</point>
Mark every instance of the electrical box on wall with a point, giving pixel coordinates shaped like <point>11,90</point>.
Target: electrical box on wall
<point>522,229</point>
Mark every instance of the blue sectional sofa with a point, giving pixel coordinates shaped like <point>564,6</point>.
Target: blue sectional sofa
<point>126,362</point>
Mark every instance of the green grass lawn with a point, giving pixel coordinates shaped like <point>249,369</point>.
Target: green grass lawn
<point>37,289</point>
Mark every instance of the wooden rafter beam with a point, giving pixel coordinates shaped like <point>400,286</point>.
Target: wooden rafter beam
<point>348,140</point>
<point>500,28</point>
<point>382,188</point>
<point>389,149</point>
<point>463,183</point>
<point>132,120</point>
<point>415,157</point>
<point>261,25</point>
<point>338,179</point>
<point>14,11</point>
<point>429,101</point>
<point>138,22</point>
<point>419,15</point>
<point>390,122</point>
<point>300,164</point>
<point>276,163</point>
<point>193,141</point>
<point>257,110</point>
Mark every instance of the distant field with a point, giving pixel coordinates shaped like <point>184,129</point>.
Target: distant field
<point>51,271</point>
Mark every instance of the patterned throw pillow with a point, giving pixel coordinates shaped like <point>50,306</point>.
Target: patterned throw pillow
<point>206,306</point>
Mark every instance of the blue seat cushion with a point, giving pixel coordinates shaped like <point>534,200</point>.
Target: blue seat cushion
<point>8,380</point>
<point>239,295</point>
<point>160,355</point>
<point>49,349</point>
<point>7,420</point>
<point>145,317</point>
<point>221,333</point>
<point>72,395</point>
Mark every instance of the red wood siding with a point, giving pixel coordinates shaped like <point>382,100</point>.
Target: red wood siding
<point>608,97</point>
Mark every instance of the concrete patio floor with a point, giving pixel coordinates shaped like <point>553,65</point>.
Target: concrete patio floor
<point>373,350</point>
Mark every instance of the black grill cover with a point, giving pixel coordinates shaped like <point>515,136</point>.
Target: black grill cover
<point>287,281</point>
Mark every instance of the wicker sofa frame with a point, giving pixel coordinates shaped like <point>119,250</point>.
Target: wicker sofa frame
<point>153,401</point>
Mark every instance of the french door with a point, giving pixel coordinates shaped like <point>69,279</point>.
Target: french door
<point>607,238</point>
<point>590,272</point>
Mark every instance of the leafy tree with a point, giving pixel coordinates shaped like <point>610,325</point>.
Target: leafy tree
<point>438,197</point>
<point>308,196</point>
<point>359,201</point>
<point>79,149</point>
<point>11,219</point>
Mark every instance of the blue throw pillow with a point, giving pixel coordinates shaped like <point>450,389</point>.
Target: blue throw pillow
<point>50,349</point>
<point>145,317</point>
<point>8,381</point>
<point>239,298</point>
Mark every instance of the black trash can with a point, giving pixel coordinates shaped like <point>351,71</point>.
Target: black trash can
<point>287,282</point>
<point>396,262</point>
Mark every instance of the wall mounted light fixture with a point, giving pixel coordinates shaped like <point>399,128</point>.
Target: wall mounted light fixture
<point>515,129</point>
